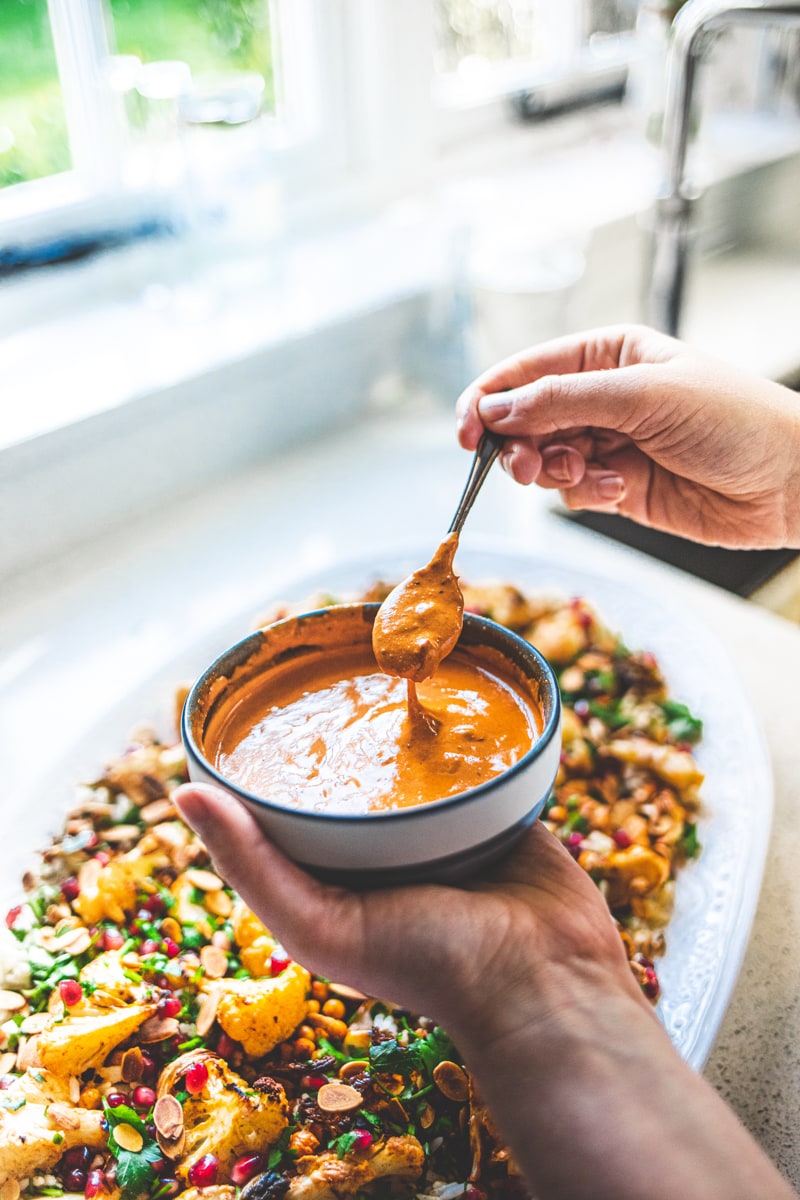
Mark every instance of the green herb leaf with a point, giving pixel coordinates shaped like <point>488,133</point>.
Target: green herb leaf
<point>689,842</point>
<point>136,1172</point>
<point>682,725</point>
<point>343,1144</point>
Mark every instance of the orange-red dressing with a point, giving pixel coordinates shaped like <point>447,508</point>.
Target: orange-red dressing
<point>330,733</point>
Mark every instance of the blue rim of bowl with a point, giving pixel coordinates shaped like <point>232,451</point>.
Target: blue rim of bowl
<point>235,656</point>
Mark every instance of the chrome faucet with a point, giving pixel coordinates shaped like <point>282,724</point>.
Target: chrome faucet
<point>673,212</point>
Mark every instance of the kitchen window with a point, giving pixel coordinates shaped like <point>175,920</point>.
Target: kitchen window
<point>110,110</point>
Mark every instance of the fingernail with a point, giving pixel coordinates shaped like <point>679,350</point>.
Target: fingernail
<point>611,487</point>
<point>495,406</point>
<point>557,466</point>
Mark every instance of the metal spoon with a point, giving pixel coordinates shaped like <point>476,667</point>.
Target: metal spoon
<point>487,451</point>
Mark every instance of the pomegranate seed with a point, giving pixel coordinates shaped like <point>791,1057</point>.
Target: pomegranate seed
<point>170,948</point>
<point>196,1078</point>
<point>155,905</point>
<point>170,1006</point>
<point>313,1082</point>
<point>363,1139</point>
<point>226,1046</point>
<point>75,1180</point>
<point>77,1158</point>
<point>278,962</point>
<point>582,710</point>
<point>12,914</point>
<point>651,986</point>
<point>621,839</point>
<point>203,1173</point>
<point>70,889</point>
<point>473,1193</point>
<point>95,1184</point>
<point>70,992</point>
<point>113,939</point>
<point>103,857</point>
<point>246,1167</point>
<point>114,1099</point>
<point>149,946</point>
<point>144,1097</point>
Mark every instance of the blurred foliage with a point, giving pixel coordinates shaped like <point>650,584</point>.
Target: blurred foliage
<point>209,35</point>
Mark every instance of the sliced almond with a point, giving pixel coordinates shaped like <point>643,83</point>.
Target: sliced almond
<point>92,808</point>
<point>88,874</point>
<point>168,1117</point>
<point>156,811</point>
<point>132,1065</point>
<point>36,1022</point>
<point>451,1080</point>
<point>172,1149</point>
<point>11,1001</point>
<point>427,1116</point>
<point>207,881</point>
<point>63,1116</point>
<point>157,1029</point>
<point>7,1062</point>
<point>121,833</point>
<point>128,1138</point>
<point>77,942</point>
<point>74,1089</point>
<point>214,961</point>
<point>219,903</point>
<point>338,1097</point>
<point>356,1066</point>
<point>171,928</point>
<point>170,834</point>
<point>10,1190</point>
<point>207,1012</point>
<point>28,1053</point>
<point>345,993</point>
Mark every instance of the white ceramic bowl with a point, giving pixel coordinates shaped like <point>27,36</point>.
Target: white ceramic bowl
<point>442,840</point>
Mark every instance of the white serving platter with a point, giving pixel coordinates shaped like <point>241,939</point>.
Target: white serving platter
<point>716,894</point>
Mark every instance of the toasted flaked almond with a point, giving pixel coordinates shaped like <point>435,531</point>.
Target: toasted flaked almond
<point>121,833</point>
<point>88,874</point>
<point>219,903</point>
<point>63,1116</point>
<point>170,834</point>
<point>168,1117</point>
<point>207,1012</point>
<point>451,1080</point>
<point>338,1097</point>
<point>76,942</point>
<point>10,1190</point>
<point>132,1065</point>
<point>214,961</point>
<point>11,1001</point>
<point>7,1062</point>
<point>207,881</point>
<point>128,1138</point>
<point>92,808</point>
<point>344,992</point>
<point>74,1089</point>
<point>156,811</point>
<point>28,1053</point>
<point>356,1066</point>
<point>172,1149</point>
<point>170,928</point>
<point>427,1116</point>
<point>36,1022</point>
<point>157,1029</point>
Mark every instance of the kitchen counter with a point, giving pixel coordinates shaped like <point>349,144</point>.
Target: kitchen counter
<point>92,641</point>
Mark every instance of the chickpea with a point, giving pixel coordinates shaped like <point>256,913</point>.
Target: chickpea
<point>334,1008</point>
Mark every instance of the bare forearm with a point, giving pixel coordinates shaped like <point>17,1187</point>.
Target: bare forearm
<point>611,1111</point>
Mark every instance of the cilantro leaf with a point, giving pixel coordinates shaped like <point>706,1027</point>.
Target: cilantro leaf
<point>135,1171</point>
<point>689,841</point>
<point>681,724</point>
<point>343,1144</point>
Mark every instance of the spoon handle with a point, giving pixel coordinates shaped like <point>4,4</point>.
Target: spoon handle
<point>488,449</point>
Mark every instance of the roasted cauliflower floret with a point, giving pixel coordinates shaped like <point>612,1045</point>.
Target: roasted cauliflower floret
<point>259,1013</point>
<point>106,974</point>
<point>229,1117</point>
<point>327,1177</point>
<point>254,939</point>
<point>34,1135</point>
<point>109,892</point>
<point>675,766</point>
<point>71,1046</point>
